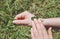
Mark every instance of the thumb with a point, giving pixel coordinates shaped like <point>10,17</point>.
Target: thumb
<point>20,22</point>
<point>50,33</point>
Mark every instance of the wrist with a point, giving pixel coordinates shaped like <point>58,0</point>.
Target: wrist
<point>44,21</point>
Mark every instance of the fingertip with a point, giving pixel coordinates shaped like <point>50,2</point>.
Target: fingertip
<point>14,21</point>
<point>39,20</point>
<point>15,18</point>
<point>35,20</point>
<point>50,28</point>
<point>31,29</point>
<point>50,33</point>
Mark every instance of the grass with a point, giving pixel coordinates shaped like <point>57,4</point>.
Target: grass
<point>10,8</point>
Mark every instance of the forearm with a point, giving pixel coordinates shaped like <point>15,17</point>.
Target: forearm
<point>52,22</point>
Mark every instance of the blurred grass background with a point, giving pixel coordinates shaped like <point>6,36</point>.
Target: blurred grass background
<point>10,8</point>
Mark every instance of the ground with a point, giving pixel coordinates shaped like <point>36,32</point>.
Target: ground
<point>10,8</point>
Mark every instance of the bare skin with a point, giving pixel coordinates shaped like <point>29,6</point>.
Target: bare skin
<point>38,30</point>
<point>52,22</point>
<point>25,18</point>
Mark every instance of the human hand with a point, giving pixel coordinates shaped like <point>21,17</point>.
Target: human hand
<point>38,31</point>
<point>23,18</point>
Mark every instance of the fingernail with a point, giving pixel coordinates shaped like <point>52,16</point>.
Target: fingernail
<point>34,19</point>
<point>50,28</point>
<point>13,21</point>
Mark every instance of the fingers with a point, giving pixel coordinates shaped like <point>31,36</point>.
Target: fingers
<point>50,33</point>
<point>32,34</point>
<point>20,21</point>
<point>24,14</point>
<point>37,24</point>
<point>19,16</point>
<point>34,30</point>
<point>43,30</point>
<point>39,30</point>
